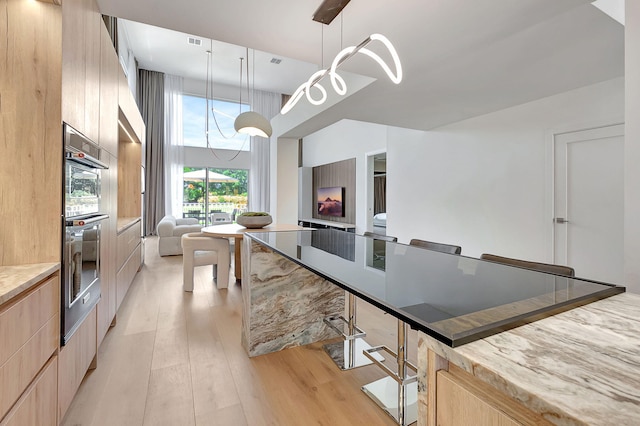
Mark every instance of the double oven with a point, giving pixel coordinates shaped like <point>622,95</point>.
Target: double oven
<point>81,231</point>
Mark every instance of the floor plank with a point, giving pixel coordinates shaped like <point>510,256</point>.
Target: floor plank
<point>175,358</point>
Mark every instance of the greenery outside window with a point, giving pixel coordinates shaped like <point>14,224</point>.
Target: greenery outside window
<point>211,193</point>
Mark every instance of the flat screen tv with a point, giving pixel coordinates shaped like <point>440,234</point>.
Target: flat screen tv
<point>330,201</point>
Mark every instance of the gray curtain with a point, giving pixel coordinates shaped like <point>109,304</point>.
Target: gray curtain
<point>151,104</point>
<point>379,194</point>
<point>267,104</point>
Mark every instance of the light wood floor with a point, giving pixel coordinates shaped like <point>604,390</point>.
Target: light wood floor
<point>175,358</point>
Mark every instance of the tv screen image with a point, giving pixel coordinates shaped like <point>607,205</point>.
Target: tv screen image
<point>330,201</point>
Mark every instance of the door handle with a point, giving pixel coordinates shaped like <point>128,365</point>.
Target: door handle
<point>560,220</point>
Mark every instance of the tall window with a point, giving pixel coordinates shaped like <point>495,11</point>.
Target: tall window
<point>218,191</point>
<point>194,119</point>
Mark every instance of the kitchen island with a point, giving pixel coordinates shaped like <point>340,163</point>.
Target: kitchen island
<point>463,308</point>
<point>578,367</point>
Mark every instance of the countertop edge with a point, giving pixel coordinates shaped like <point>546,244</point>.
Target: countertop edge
<point>125,223</point>
<point>14,280</point>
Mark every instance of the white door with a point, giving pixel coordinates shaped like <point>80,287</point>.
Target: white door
<point>589,202</point>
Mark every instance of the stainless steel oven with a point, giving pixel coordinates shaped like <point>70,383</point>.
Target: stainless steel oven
<point>82,230</point>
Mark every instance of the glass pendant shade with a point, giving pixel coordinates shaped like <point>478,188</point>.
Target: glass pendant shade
<point>253,124</point>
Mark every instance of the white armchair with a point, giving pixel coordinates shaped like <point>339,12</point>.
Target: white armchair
<point>170,230</point>
<point>200,250</point>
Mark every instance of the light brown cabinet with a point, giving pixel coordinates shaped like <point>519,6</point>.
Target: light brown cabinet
<point>29,336</point>
<point>109,66</point>
<point>130,113</point>
<point>58,64</point>
<point>109,90</point>
<point>129,254</point>
<point>81,66</point>
<point>107,306</point>
<point>74,359</point>
<point>30,132</point>
<point>74,70</point>
<point>38,404</point>
<point>461,399</point>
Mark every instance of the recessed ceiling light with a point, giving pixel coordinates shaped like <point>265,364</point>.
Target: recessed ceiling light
<point>194,41</point>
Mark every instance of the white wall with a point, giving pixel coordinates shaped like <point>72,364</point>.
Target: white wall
<point>343,140</point>
<point>632,146</point>
<point>485,183</point>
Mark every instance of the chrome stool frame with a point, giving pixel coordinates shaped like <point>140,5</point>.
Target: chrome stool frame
<point>399,401</point>
<point>349,353</point>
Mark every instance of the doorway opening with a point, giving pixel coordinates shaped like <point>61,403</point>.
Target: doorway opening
<point>377,192</point>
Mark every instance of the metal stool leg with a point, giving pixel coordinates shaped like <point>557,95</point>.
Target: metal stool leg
<point>397,394</point>
<point>348,354</point>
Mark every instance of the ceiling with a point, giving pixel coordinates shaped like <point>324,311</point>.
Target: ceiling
<point>168,51</point>
<point>460,58</point>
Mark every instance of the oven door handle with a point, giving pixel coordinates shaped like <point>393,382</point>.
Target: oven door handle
<point>88,221</point>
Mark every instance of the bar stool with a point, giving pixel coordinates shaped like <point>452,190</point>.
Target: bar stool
<point>350,352</point>
<point>397,394</point>
<point>537,266</point>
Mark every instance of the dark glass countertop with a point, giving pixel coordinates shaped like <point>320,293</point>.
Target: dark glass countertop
<point>455,299</point>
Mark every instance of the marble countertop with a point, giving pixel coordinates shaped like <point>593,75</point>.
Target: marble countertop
<point>17,279</point>
<point>578,367</point>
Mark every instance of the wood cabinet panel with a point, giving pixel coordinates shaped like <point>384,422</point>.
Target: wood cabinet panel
<point>23,366</point>
<point>129,181</point>
<point>38,404</point>
<point>109,66</point>
<point>22,318</point>
<point>131,117</point>
<point>107,306</point>
<point>74,360</point>
<point>30,132</point>
<point>92,76</point>
<point>73,62</point>
<point>462,399</point>
<point>128,272</point>
<point>82,24</point>
<point>127,242</point>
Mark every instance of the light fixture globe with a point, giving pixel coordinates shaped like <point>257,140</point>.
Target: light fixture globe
<point>253,124</point>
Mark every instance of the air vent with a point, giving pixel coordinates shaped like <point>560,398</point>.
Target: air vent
<point>194,41</point>
<point>276,60</point>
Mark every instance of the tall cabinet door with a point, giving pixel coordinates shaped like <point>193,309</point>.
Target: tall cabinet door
<point>73,63</point>
<point>109,143</point>
<point>81,21</point>
<point>109,67</point>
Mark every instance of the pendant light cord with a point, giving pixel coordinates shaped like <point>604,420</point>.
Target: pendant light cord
<point>209,90</point>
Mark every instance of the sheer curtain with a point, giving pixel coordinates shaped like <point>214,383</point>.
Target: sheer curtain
<point>151,102</point>
<point>173,145</point>
<point>267,104</point>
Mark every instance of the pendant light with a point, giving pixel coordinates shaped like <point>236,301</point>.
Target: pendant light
<point>337,82</point>
<point>250,122</point>
<point>327,11</point>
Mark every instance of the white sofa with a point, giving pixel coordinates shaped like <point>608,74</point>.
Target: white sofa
<point>170,231</point>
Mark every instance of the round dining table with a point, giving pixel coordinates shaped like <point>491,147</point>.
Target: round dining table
<point>233,230</point>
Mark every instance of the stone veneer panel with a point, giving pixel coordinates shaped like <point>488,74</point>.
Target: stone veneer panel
<point>283,303</point>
